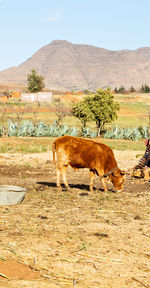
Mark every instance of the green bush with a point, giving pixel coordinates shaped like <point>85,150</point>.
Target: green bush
<point>12,128</point>
<point>127,133</point>
<point>1,130</point>
<point>41,129</point>
<point>27,128</point>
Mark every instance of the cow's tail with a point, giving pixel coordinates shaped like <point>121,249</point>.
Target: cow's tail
<point>53,150</point>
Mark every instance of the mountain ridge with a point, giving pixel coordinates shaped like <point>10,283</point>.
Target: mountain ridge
<point>68,66</point>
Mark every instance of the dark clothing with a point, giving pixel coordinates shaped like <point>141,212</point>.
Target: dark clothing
<point>145,160</point>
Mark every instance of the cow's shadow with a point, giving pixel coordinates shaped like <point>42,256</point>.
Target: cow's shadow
<point>75,186</point>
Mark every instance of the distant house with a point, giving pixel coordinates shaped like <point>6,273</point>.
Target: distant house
<point>37,97</point>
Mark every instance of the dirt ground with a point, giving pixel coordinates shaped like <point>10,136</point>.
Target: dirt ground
<point>73,238</point>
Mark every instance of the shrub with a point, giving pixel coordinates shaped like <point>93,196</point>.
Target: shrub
<point>127,133</point>
<point>26,128</point>
<point>41,129</point>
<point>86,132</point>
<point>145,88</point>
<point>12,128</point>
<point>1,130</point>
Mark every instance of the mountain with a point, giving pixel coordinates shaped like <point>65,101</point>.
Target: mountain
<point>69,66</point>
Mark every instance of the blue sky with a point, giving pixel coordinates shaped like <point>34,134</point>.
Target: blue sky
<point>28,25</point>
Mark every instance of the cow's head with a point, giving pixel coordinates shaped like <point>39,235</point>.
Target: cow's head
<point>118,179</point>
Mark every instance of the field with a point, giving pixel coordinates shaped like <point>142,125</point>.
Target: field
<point>76,238</point>
<point>73,238</point>
<point>134,110</point>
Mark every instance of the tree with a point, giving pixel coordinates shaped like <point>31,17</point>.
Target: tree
<point>132,89</point>
<point>82,112</point>
<point>100,108</point>
<point>35,82</point>
<point>103,108</point>
<point>116,90</point>
<point>121,89</point>
<point>61,112</point>
<point>145,88</point>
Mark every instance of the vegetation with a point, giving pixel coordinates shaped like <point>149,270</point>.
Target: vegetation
<point>28,128</point>
<point>61,112</point>
<point>127,133</point>
<point>145,88</point>
<point>54,120</point>
<point>87,92</point>
<point>121,89</point>
<point>82,112</point>
<point>44,144</point>
<point>132,89</point>
<point>35,82</point>
<point>41,129</point>
<point>99,108</point>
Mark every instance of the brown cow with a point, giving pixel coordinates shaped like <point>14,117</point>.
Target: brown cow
<point>82,153</point>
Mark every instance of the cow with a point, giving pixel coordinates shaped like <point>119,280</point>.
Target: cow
<point>83,153</point>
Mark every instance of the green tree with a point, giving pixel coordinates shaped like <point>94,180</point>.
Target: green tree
<point>145,88</point>
<point>100,108</point>
<point>142,89</point>
<point>116,90</point>
<point>121,89</point>
<point>103,108</point>
<point>35,82</point>
<point>132,89</point>
<point>82,112</point>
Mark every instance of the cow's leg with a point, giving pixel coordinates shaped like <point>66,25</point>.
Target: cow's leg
<point>58,177</point>
<point>104,184</point>
<point>91,180</point>
<point>100,174</point>
<point>63,173</point>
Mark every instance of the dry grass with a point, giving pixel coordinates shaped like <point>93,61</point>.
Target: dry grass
<point>75,238</point>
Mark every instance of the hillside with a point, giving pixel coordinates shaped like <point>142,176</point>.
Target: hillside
<point>69,66</point>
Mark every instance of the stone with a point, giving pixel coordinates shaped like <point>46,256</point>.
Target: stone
<point>11,195</point>
<point>137,173</point>
<point>146,173</point>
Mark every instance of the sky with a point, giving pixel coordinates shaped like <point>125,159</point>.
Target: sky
<point>28,25</point>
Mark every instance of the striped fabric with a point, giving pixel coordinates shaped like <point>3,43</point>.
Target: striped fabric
<point>145,160</point>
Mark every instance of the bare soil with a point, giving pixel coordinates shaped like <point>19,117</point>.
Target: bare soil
<point>73,238</point>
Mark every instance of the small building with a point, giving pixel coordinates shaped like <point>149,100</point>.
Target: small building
<point>37,97</point>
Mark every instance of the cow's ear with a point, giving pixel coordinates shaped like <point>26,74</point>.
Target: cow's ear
<point>118,172</point>
<point>122,172</point>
